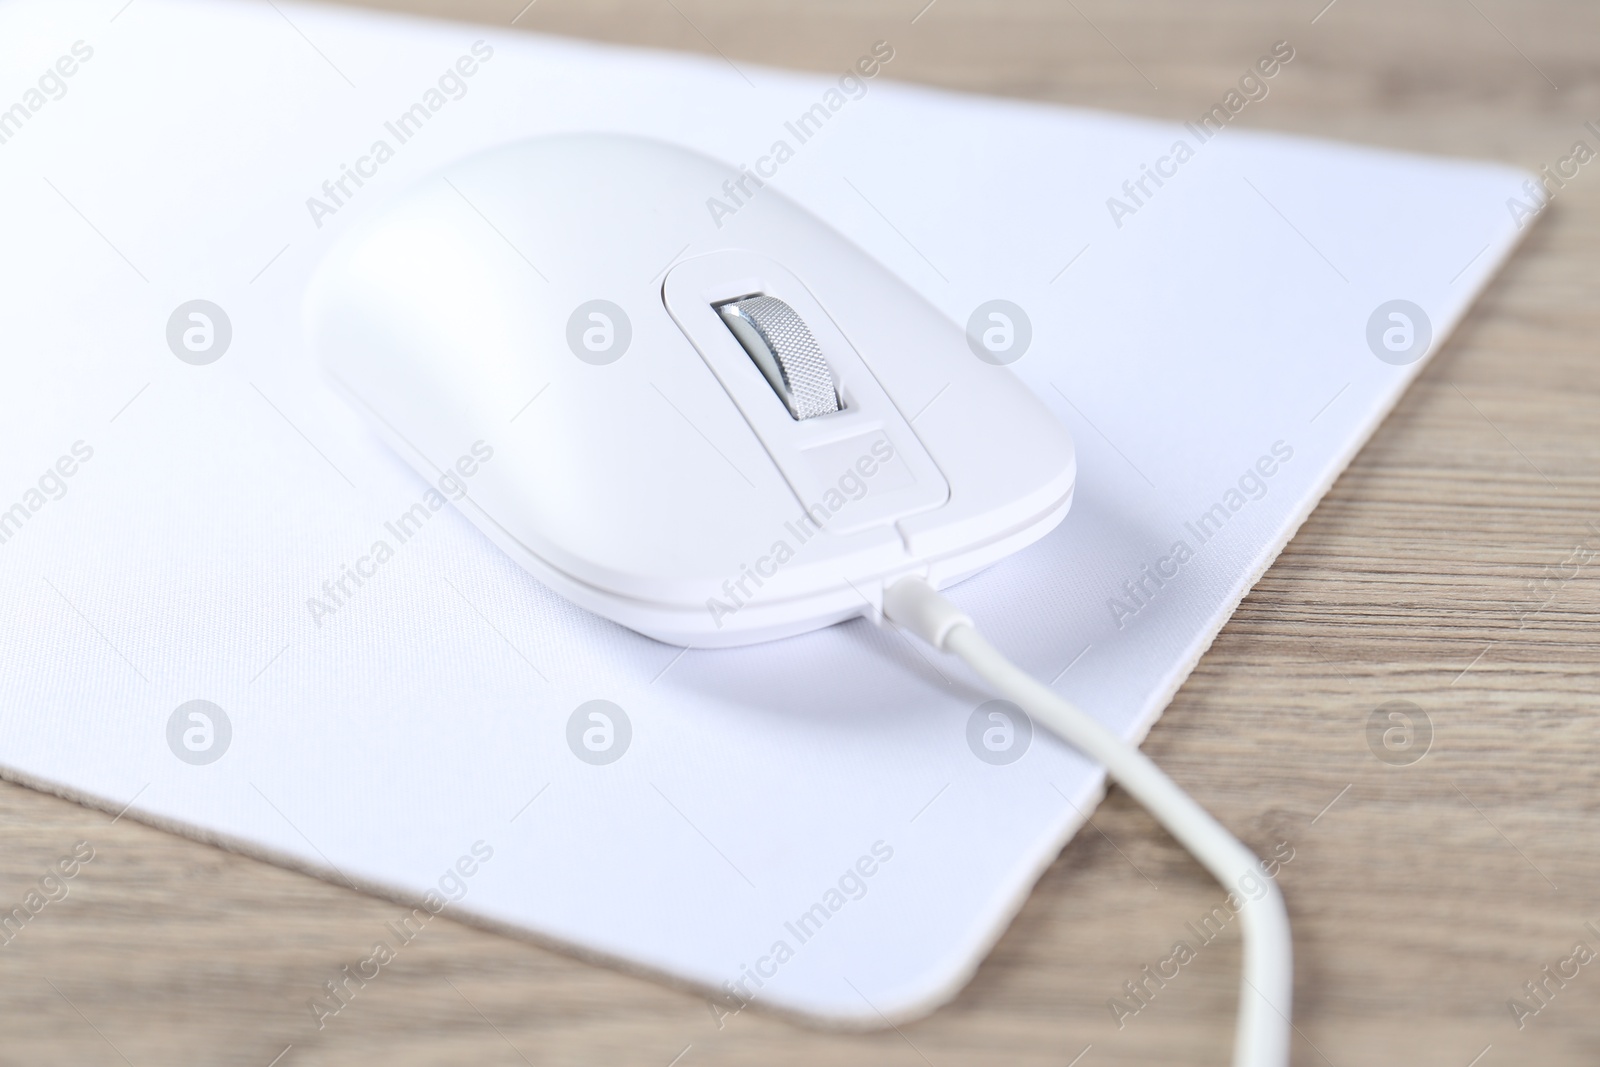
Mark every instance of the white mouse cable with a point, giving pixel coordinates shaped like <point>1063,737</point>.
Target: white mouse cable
<point>1267,983</point>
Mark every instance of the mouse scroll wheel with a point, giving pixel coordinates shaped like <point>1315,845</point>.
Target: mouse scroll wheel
<point>777,339</point>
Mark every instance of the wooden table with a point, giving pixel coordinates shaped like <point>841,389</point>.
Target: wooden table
<point>1453,566</point>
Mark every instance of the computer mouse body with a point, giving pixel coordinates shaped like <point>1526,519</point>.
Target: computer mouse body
<point>707,415</point>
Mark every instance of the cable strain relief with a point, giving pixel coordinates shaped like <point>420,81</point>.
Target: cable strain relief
<point>913,604</point>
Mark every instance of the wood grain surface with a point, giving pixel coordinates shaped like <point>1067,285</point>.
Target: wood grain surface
<point>1454,565</point>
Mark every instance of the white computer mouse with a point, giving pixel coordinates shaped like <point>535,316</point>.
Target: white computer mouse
<point>714,428</point>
